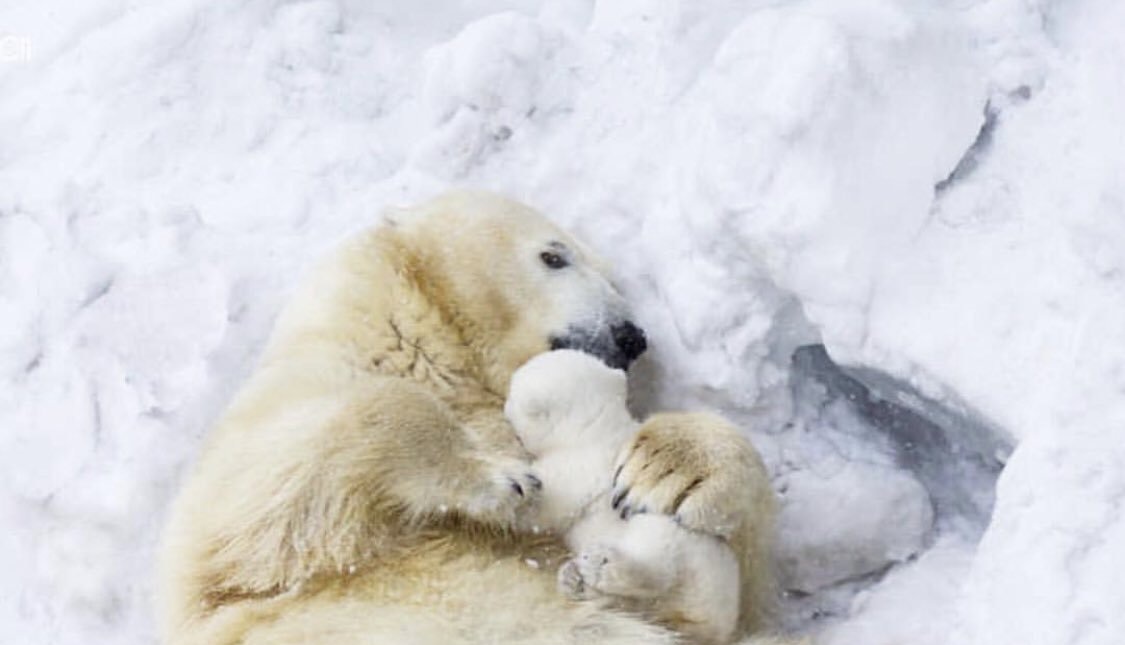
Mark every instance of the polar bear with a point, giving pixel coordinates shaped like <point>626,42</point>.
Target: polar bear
<point>568,408</point>
<point>364,486</point>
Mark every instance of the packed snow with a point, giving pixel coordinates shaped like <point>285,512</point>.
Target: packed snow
<point>885,236</point>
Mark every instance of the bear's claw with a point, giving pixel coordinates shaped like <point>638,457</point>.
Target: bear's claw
<point>529,482</point>
<point>667,473</point>
<point>508,492</point>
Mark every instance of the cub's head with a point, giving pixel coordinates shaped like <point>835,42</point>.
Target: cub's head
<point>566,398</point>
<point>512,284</point>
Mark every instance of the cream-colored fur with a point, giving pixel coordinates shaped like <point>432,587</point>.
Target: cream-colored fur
<point>364,485</point>
<point>569,410</point>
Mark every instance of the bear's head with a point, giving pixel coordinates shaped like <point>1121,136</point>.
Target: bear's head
<point>513,284</point>
<point>565,398</point>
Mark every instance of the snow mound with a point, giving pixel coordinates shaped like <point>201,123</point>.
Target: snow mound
<point>878,516</point>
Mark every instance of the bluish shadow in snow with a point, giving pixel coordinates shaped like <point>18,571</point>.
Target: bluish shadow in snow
<point>972,157</point>
<point>873,478</point>
<point>955,456</point>
<point>982,144</point>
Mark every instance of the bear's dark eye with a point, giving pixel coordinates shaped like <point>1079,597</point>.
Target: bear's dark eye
<point>553,260</point>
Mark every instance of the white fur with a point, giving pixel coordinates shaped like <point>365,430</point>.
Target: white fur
<point>569,410</point>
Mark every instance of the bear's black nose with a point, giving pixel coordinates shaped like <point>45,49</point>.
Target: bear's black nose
<point>630,339</point>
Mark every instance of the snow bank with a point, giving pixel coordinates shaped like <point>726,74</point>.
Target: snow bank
<point>932,191</point>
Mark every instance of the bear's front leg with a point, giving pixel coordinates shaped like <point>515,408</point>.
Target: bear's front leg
<point>448,459</point>
<point>698,469</point>
<point>351,470</point>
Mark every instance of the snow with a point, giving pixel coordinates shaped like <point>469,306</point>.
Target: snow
<point>878,515</point>
<point>933,191</point>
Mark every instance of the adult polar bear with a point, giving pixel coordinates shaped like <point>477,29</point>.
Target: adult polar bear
<point>364,486</point>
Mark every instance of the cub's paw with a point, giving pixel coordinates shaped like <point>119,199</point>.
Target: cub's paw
<point>506,492</point>
<point>582,576</point>
<point>571,583</point>
<point>693,467</point>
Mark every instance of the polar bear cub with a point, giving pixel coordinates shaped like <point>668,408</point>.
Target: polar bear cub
<point>569,411</point>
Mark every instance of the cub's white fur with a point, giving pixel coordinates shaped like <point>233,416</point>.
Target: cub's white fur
<point>569,410</point>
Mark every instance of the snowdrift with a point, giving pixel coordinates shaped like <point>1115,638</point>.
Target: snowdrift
<point>886,236</point>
